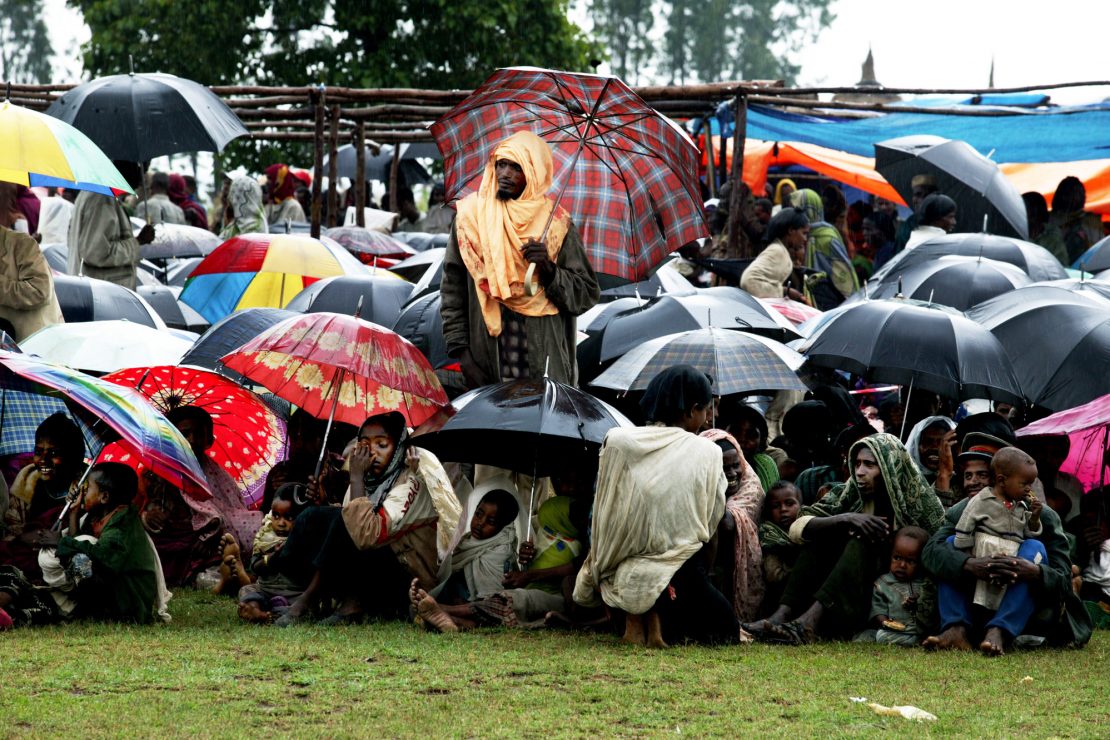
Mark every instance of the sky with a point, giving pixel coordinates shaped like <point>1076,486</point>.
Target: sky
<point>941,43</point>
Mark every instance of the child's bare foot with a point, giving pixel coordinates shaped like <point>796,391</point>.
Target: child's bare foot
<point>429,611</point>
<point>992,644</point>
<point>953,638</point>
<point>654,629</point>
<point>225,579</point>
<point>416,594</point>
<point>634,630</point>
<point>250,611</point>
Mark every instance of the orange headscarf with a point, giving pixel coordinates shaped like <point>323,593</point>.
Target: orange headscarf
<point>491,232</point>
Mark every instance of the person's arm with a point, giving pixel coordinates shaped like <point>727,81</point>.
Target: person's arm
<point>31,285</point>
<point>104,242</point>
<point>521,578</point>
<point>570,282</point>
<point>367,525</point>
<point>1033,526</point>
<point>947,466</point>
<point>972,515</point>
<point>864,526</point>
<point>454,298</point>
<point>880,608</point>
<point>109,553</point>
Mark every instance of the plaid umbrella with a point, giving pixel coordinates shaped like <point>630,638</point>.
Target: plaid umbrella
<point>737,362</point>
<point>626,174</point>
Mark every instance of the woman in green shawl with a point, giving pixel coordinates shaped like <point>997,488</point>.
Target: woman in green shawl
<point>825,253</point>
<point>845,538</point>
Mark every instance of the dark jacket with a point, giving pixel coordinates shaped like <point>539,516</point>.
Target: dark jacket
<point>1060,615</point>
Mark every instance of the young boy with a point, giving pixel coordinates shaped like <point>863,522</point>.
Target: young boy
<point>273,591</point>
<point>998,519</point>
<point>780,509</point>
<point>901,603</point>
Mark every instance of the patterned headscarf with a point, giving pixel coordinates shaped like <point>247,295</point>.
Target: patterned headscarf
<point>491,232</point>
<point>914,501</point>
<point>284,183</point>
<point>245,198</point>
<point>825,251</point>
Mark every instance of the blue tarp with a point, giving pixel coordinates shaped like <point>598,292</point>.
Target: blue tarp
<point>1062,135</point>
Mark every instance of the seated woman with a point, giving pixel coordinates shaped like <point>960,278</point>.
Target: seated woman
<point>750,429</point>
<point>660,497</point>
<point>845,539</point>
<point>186,532</point>
<point>394,525</point>
<point>39,491</point>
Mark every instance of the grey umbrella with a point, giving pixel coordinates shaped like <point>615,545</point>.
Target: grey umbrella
<point>378,165</point>
<point>136,117</point>
<point>963,174</point>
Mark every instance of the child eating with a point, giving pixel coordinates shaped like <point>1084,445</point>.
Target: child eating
<point>781,508</point>
<point>998,519</point>
<point>272,592</point>
<point>899,612</point>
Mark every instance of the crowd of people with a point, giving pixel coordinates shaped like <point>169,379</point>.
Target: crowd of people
<point>913,524</point>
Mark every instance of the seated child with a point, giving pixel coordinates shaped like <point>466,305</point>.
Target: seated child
<point>475,568</point>
<point>273,591</point>
<point>782,506</point>
<point>108,558</point>
<point>902,602</point>
<point>998,519</point>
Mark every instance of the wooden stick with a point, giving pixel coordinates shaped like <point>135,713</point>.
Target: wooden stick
<point>711,166</point>
<point>317,99</point>
<point>735,202</point>
<point>360,174</point>
<point>333,167</point>
<point>394,176</point>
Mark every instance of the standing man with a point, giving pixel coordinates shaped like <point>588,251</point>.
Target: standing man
<point>496,326</point>
<point>100,241</point>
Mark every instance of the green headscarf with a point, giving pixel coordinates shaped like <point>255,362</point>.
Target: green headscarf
<point>556,538</point>
<point>766,469</point>
<point>825,251</point>
<point>914,501</point>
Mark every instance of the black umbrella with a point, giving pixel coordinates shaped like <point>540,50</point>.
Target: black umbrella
<point>963,174</point>
<point>137,117</point>
<point>382,297</point>
<point>665,281</point>
<point>425,270</point>
<point>1095,289</point>
<point>1032,259</point>
<point>378,165</point>
<point>1097,258</point>
<point>723,308</point>
<point>89,299</point>
<point>176,314</point>
<point>230,333</point>
<point>57,256</point>
<point>959,282</point>
<point>1058,342</point>
<point>180,271</point>
<point>530,426</point>
<point>422,241</point>
<point>421,323</point>
<point>917,345</point>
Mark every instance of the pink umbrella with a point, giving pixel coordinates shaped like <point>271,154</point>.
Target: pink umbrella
<point>797,313</point>
<point>1088,428</point>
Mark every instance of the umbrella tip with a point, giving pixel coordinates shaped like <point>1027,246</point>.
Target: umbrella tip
<point>131,64</point>
<point>899,288</point>
<point>546,366</point>
<point>358,308</point>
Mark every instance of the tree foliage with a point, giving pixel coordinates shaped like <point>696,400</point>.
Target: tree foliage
<point>626,25</point>
<point>25,48</point>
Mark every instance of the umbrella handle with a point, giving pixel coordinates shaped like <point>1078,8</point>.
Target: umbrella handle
<point>531,285</point>
<point>69,503</point>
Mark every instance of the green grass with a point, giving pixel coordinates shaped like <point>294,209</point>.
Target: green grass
<point>207,674</point>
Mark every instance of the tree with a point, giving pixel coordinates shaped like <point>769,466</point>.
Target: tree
<point>25,48</point>
<point>627,26</point>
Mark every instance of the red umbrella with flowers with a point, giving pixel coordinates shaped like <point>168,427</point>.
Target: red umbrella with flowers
<point>343,368</point>
<point>249,436</point>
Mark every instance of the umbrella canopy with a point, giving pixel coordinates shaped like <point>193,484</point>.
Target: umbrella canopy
<point>173,312</point>
<point>1055,347</point>
<point>664,281</point>
<point>179,272</point>
<point>631,189</point>
<point>366,245</point>
<point>421,241</point>
<point>737,362</point>
<point>263,270</point>
<point>963,174</point>
<point>1097,290</point>
<point>231,333</point>
<point>249,436</point>
<point>40,151</point>
<point>531,426</point>
<point>725,308</point>
<point>1033,259</point>
<point>425,270</point>
<point>105,346</point>
<point>382,297</point>
<point>1095,259</point>
<point>88,299</point>
<point>21,412</point>
<point>1086,427</point>
<point>959,282</point>
<point>422,324</point>
<point>137,117</point>
<point>907,342</point>
<point>308,359</point>
<point>112,413</point>
<point>377,166</point>
<point>796,313</point>
<point>178,240</point>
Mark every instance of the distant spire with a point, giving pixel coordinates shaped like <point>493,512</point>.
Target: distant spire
<point>867,78</point>
<point>990,82</point>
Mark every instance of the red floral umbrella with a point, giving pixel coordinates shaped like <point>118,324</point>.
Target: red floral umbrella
<point>626,174</point>
<point>250,437</point>
<point>308,359</point>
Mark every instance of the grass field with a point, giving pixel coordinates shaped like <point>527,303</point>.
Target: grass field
<point>206,674</point>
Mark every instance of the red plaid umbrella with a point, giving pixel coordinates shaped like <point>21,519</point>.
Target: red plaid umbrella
<point>626,174</point>
<point>250,437</point>
<point>308,359</point>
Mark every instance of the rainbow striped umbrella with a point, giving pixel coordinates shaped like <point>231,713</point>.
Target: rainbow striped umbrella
<point>42,151</point>
<point>263,271</point>
<point>112,412</point>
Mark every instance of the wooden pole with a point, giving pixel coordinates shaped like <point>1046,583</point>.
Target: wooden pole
<point>736,245</point>
<point>316,98</point>
<point>360,174</point>
<point>333,168</point>
<point>394,176</point>
<point>710,165</point>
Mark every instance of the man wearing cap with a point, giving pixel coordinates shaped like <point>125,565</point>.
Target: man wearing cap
<point>923,186</point>
<point>502,320</point>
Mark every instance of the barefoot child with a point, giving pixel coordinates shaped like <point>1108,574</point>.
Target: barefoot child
<point>900,607</point>
<point>476,567</point>
<point>271,594</point>
<point>784,502</point>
